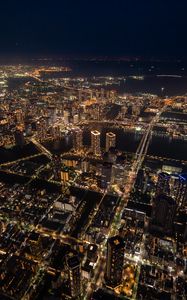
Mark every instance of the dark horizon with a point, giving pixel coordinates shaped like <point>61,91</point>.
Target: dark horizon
<point>124,28</point>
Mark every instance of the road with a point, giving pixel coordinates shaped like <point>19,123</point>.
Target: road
<point>41,148</point>
<point>131,176</point>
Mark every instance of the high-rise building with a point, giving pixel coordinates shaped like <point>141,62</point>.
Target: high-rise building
<point>74,270</point>
<point>110,140</point>
<point>19,116</point>
<point>78,140</point>
<point>56,132</point>
<point>95,142</point>
<point>85,166</point>
<point>178,188</point>
<point>19,137</point>
<point>163,214</point>
<point>66,117</point>
<point>115,260</point>
<point>135,110</point>
<point>117,175</point>
<point>141,181</point>
<point>163,184</point>
<point>64,176</point>
<point>173,185</point>
<point>75,118</point>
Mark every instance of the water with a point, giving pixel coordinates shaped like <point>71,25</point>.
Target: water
<point>129,141</point>
<point>164,147</point>
<point>150,70</point>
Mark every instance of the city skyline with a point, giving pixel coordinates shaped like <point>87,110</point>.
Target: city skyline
<point>93,150</point>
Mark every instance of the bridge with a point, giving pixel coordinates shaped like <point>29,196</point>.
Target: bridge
<point>129,184</point>
<point>144,144</point>
<point>9,163</point>
<point>41,148</point>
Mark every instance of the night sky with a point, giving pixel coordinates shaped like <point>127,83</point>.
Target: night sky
<point>120,27</point>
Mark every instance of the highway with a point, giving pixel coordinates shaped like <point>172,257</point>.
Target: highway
<point>144,144</point>
<point>131,176</point>
<point>9,163</point>
<point>41,148</point>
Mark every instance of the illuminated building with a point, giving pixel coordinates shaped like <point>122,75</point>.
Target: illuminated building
<point>85,166</point>
<point>110,140</point>
<point>19,116</point>
<point>95,142</point>
<point>66,117</point>
<point>19,138</point>
<point>163,184</point>
<point>64,176</point>
<point>78,140</point>
<point>173,185</point>
<point>178,188</point>
<point>56,133</point>
<point>164,209</point>
<point>141,181</point>
<point>117,175</point>
<point>74,271</point>
<point>171,169</point>
<point>69,163</point>
<point>75,119</point>
<point>135,110</point>
<point>114,262</point>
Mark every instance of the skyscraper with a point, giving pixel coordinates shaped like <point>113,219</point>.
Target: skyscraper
<point>110,140</point>
<point>95,142</point>
<point>78,140</point>
<point>117,175</point>
<point>164,209</point>
<point>74,270</point>
<point>141,181</point>
<point>178,188</point>
<point>173,185</point>
<point>115,260</point>
<point>163,184</point>
<point>66,116</point>
<point>19,116</point>
<point>19,137</point>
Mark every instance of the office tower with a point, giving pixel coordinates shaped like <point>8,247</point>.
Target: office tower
<point>66,116</point>
<point>64,176</point>
<point>110,140</point>
<point>124,110</point>
<point>135,110</point>
<point>56,132</point>
<point>163,184</point>
<point>78,140</point>
<point>74,270</point>
<point>95,142</point>
<point>52,113</point>
<point>178,188</point>
<point>141,181</point>
<point>76,119</point>
<point>19,137</point>
<point>112,96</point>
<point>85,166</point>
<point>19,116</point>
<point>182,194</point>
<point>117,175</point>
<point>173,185</point>
<point>163,214</point>
<point>115,259</point>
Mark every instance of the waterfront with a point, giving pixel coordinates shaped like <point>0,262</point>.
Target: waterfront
<point>127,141</point>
